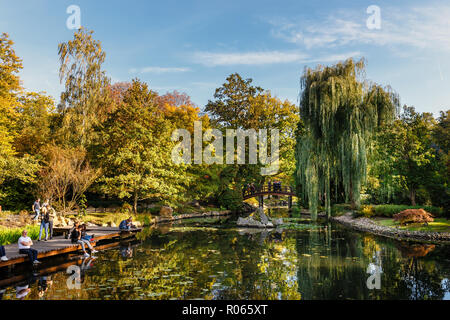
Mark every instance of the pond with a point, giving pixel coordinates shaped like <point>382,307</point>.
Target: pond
<point>212,259</point>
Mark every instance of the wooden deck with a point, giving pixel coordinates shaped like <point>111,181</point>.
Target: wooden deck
<point>60,245</point>
<point>72,259</point>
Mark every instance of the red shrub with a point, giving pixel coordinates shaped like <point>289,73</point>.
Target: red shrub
<point>413,216</point>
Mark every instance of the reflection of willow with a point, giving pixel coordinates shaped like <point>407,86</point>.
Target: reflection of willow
<point>328,267</point>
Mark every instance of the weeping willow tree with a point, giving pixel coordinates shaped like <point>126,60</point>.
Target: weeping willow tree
<point>340,111</point>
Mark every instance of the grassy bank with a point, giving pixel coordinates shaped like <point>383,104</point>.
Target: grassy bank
<point>438,225</point>
<point>12,235</point>
<point>382,210</point>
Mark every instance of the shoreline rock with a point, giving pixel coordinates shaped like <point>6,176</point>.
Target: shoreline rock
<point>367,225</point>
<point>191,216</point>
<point>264,222</point>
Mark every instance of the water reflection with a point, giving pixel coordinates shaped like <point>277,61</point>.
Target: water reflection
<point>211,259</point>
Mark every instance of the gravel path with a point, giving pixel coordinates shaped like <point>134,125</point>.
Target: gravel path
<point>367,225</point>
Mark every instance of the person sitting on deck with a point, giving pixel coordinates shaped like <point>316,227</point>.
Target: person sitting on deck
<point>3,254</point>
<point>25,244</point>
<point>76,238</point>
<point>75,225</point>
<point>84,235</point>
<point>126,224</point>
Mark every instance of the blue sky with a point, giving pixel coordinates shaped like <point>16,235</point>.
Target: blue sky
<point>192,46</point>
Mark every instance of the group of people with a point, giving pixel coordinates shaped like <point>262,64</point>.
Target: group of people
<point>78,234</point>
<point>46,214</point>
<point>276,185</point>
<point>272,186</point>
<point>249,188</point>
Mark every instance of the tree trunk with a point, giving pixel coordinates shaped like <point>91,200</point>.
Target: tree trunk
<point>352,198</point>
<point>412,196</point>
<point>135,202</point>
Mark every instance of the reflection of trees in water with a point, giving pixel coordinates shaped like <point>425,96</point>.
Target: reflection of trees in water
<point>339,276</point>
<point>321,263</point>
<point>195,264</point>
<point>326,268</point>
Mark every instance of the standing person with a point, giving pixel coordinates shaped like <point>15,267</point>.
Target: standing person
<point>270,185</point>
<point>25,244</point>
<point>3,254</point>
<point>45,222</point>
<point>76,238</point>
<point>52,215</point>
<point>37,208</point>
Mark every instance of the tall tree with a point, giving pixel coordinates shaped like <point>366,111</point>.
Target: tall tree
<point>411,144</point>
<point>86,86</point>
<point>14,170</point>
<point>233,102</point>
<point>10,65</point>
<point>135,150</point>
<point>340,112</point>
<point>238,104</point>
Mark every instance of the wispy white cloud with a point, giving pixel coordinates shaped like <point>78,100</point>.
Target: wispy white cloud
<point>246,58</point>
<point>212,59</point>
<point>158,70</point>
<point>419,27</point>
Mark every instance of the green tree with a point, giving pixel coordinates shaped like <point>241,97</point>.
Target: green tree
<point>86,97</point>
<point>340,112</point>
<point>411,145</point>
<point>135,150</point>
<point>233,102</point>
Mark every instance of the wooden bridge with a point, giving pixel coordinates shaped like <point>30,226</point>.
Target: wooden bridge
<point>59,245</point>
<point>261,191</point>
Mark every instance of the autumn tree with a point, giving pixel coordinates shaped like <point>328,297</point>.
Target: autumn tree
<point>15,170</point>
<point>33,126</point>
<point>66,176</point>
<point>238,104</point>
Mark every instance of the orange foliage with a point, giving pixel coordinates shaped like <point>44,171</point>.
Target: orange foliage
<point>413,216</point>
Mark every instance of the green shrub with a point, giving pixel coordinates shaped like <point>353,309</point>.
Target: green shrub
<point>340,209</point>
<point>126,208</point>
<point>296,211</point>
<point>367,211</point>
<point>12,235</point>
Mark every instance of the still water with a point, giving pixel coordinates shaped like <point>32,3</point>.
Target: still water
<point>212,259</point>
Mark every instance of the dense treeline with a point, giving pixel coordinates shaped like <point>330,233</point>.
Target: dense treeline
<point>113,141</point>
